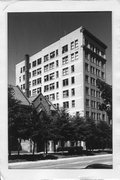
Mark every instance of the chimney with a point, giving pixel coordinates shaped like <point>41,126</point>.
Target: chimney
<point>27,75</point>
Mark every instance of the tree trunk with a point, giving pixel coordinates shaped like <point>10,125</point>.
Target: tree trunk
<point>19,146</point>
<point>33,147</point>
<point>46,147</point>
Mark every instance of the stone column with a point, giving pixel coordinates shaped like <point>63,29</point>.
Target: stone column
<point>51,146</point>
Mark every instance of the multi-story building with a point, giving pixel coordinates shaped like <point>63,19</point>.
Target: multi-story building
<point>65,72</point>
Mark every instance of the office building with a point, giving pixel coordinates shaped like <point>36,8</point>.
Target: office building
<point>65,72</point>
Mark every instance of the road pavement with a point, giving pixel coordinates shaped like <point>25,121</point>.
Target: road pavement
<point>65,163</point>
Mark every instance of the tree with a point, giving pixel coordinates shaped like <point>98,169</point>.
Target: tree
<point>90,134</point>
<point>106,95</point>
<point>104,135</point>
<point>18,121</point>
<point>61,127</point>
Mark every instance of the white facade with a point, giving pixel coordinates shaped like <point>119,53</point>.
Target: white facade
<point>67,73</point>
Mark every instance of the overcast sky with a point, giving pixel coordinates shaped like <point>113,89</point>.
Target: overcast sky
<point>28,33</point>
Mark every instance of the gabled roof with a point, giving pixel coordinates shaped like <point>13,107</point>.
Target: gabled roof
<point>19,95</point>
<point>34,98</point>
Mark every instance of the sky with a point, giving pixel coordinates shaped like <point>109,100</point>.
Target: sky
<point>28,33</point>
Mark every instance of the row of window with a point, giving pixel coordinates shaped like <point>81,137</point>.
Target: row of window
<point>95,115</point>
<point>94,49</point>
<point>94,71</point>
<point>51,97</point>
<point>66,81</point>
<point>36,81</point>
<point>94,60</point>
<point>36,91</point>
<point>51,87</point>
<point>51,76</point>
<point>90,80</point>
<point>65,71</point>
<point>92,104</point>
<point>66,104</point>
<point>92,92</point>
<point>52,55</point>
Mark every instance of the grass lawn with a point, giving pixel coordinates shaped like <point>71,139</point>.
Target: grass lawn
<point>23,157</point>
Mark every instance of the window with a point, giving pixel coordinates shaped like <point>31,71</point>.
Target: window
<point>73,103</point>
<point>19,79</point>
<point>23,86</point>
<point>87,103</point>
<point>92,69</point>
<point>47,97</point>
<point>34,73</point>
<point>38,80</point>
<point>57,63</point>
<point>23,68</point>
<point>52,76</point>
<point>38,90</point>
<point>98,94</point>
<point>34,91</point>
<point>86,78</point>
<point>76,55</point>
<point>64,49</point>
<point>86,67</point>
<point>57,105</point>
<point>72,80</point>
<point>46,58</point>
<point>87,91</point>
<point>65,60</point>
<point>87,56</point>
<point>72,69</point>
<point>51,65</point>
<point>46,78</point>
<point>33,63</point>
<point>65,82</point>
<point>65,71</point>
<point>39,61</point>
<point>98,72</point>
<point>46,88</point>
<point>57,96</point>
<point>76,43</point>
<point>52,97</point>
<point>57,84</point>
<point>72,45</point>
<point>20,70</point>
<point>102,75</point>
<point>29,93</point>
<point>72,57</point>
<point>97,105</point>
<point>93,104</point>
<point>73,92</point>
<point>46,68</point>
<point>23,77</point>
<point>66,104</point>
<point>92,81</point>
<point>93,92</point>
<point>34,82</point>
<point>52,54</point>
<point>57,74</point>
<point>38,71</point>
<point>56,52</point>
<point>52,86</point>
<point>65,94</point>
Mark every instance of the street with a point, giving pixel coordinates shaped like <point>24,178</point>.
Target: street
<point>65,163</point>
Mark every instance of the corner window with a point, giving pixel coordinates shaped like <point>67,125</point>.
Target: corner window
<point>73,103</point>
<point>64,49</point>
<point>33,63</point>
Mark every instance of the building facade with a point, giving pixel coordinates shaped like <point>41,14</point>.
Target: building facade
<point>65,72</point>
